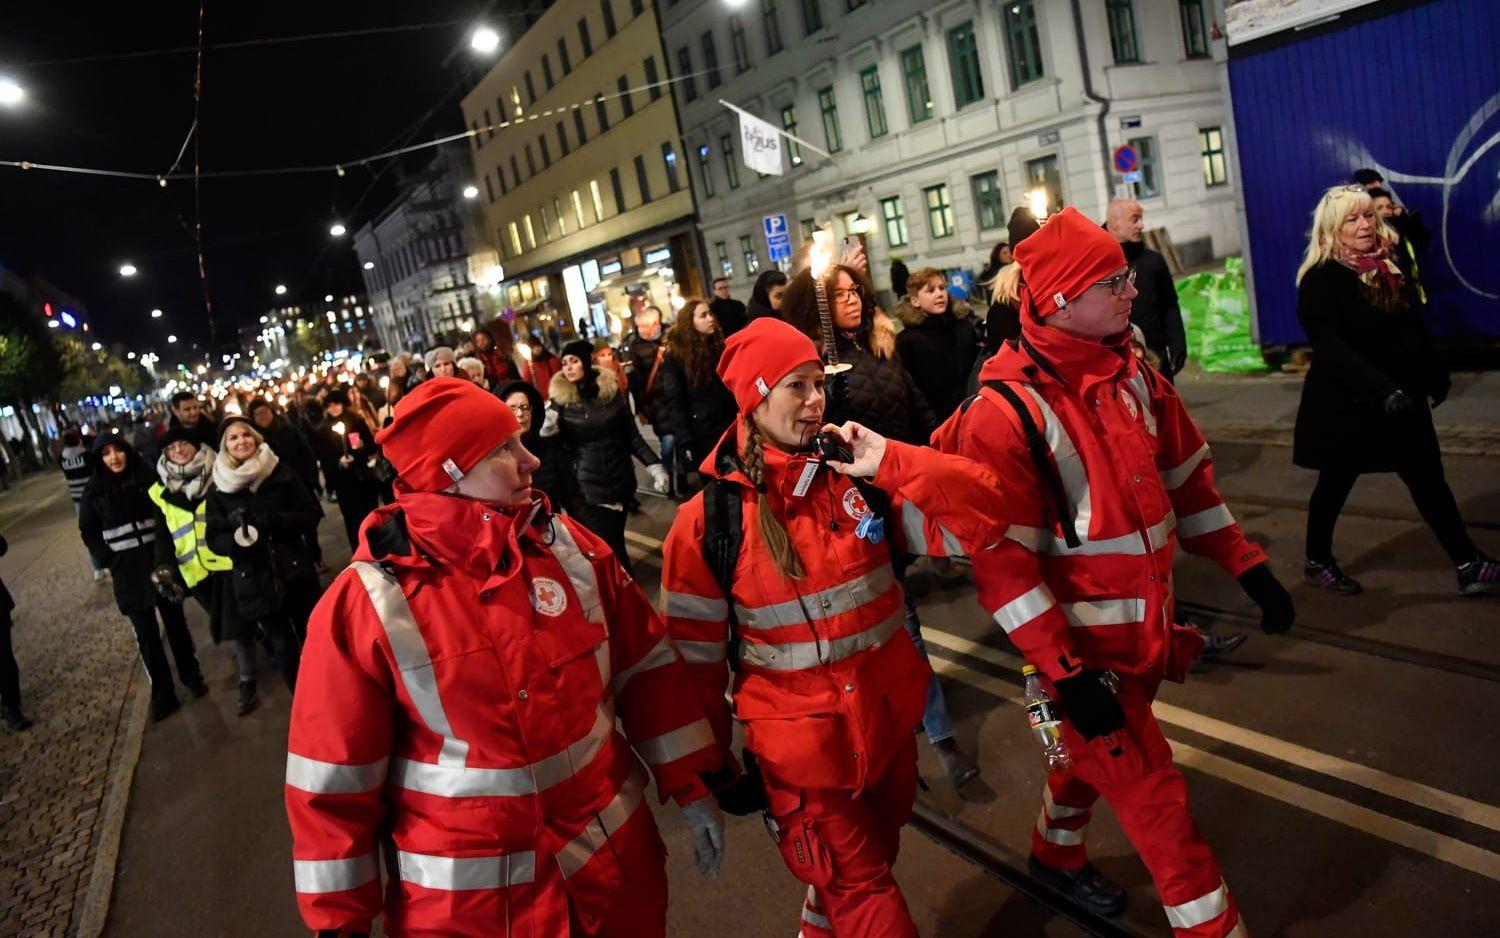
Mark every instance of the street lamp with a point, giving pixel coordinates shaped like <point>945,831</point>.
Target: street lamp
<point>338,229</point>
<point>171,340</point>
<point>12,94</point>
<point>328,298</point>
<point>156,314</point>
<point>281,289</point>
<point>127,269</point>
<point>471,191</point>
<point>369,265</point>
<point>484,39</point>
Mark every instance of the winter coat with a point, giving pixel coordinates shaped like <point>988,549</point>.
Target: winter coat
<point>554,477</point>
<point>214,589</point>
<point>275,573</point>
<point>731,314</point>
<point>758,310</point>
<point>824,705</point>
<point>458,694</point>
<point>499,368</point>
<point>599,435</point>
<point>76,469</point>
<point>899,276</point>
<point>1137,477</point>
<point>205,432</point>
<point>641,355</point>
<point>1361,356</point>
<point>329,446</point>
<point>1155,307</point>
<point>938,352</point>
<point>291,446</point>
<point>697,415</point>
<point>118,523</point>
<point>878,392</point>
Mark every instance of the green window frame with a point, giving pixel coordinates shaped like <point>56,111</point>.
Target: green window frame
<point>1211,148</point>
<point>705,170</point>
<point>1194,29</point>
<point>869,84</point>
<point>829,109</point>
<point>789,124</point>
<point>1147,166</point>
<point>812,16</point>
<point>1123,40</point>
<point>963,59</point>
<point>895,221</point>
<point>1023,42</point>
<point>731,168</point>
<point>914,78</point>
<point>989,207</point>
<point>772,22</point>
<point>939,211</point>
<point>747,250</point>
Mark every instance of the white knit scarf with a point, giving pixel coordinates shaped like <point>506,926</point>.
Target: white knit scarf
<point>231,475</point>
<point>192,479</point>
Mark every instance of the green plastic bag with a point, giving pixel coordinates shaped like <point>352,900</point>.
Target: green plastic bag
<point>1216,316</point>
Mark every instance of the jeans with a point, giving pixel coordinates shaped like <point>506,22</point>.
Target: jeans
<point>283,644</point>
<point>669,455</point>
<point>935,720</point>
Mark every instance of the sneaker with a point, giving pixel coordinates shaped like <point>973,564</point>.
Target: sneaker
<point>956,763</point>
<point>16,720</point>
<point>1216,645</point>
<point>1326,575</point>
<point>161,709</point>
<point>1479,577</point>
<point>249,700</point>
<point>1086,886</point>
<point>98,576</point>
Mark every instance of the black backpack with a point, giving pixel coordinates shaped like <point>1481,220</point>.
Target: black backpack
<point>1040,452</point>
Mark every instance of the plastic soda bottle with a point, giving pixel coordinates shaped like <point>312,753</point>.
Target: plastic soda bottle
<point>1045,721</point>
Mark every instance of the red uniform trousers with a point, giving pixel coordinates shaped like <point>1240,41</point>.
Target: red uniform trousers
<point>640,908</point>
<point>1150,800</point>
<point>843,845</point>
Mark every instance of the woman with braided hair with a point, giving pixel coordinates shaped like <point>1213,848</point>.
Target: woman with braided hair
<point>806,610</point>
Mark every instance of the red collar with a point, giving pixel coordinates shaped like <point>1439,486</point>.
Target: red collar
<point>1045,353</point>
<point>459,533</point>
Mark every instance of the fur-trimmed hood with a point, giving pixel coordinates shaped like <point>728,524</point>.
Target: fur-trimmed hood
<point>564,392</point>
<point>908,314</point>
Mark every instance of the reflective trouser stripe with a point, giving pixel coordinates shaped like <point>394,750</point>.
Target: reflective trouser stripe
<point>690,606</point>
<point>1205,908</point>
<point>458,873</point>
<point>333,778</point>
<point>1057,835</point>
<point>1177,476</point>
<point>1055,811</point>
<point>458,781</point>
<point>683,741</point>
<point>799,656</point>
<point>1105,612</point>
<point>595,835</point>
<point>703,652</point>
<point>660,655</point>
<point>1205,522</point>
<point>318,876</point>
<point>1024,608</point>
<point>824,604</point>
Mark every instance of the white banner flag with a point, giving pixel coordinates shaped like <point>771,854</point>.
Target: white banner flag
<point>761,144</point>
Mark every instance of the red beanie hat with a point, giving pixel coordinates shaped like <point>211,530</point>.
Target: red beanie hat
<point>761,354</point>
<point>1065,257</point>
<point>441,429</point>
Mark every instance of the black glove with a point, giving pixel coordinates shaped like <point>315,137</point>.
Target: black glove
<point>1276,609</point>
<point>746,794</point>
<point>1090,704</point>
<point>166,585</point>
<point>1399,405</point>
<point>1176,358</point>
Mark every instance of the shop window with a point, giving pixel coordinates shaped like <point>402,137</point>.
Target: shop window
<point>914,77</point>
<point>987,204</point>
<point>895,221</point>
<point>869,85</point>
<point>963,59</point>
<point>939,211</point>
<point>1023,42</point>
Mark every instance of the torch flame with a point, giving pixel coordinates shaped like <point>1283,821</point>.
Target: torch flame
<point>1038,198</point>
<point>339,428</point>
<point>819,257</point>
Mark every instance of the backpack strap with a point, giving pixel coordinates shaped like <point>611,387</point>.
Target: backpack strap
<point>1041,457</point>
<point>661,352</point>
<point>723,530</point>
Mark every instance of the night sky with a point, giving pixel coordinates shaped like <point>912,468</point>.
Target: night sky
<point>318,101</point>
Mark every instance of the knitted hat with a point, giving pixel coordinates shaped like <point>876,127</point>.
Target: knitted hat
<point>761,354</point>
<point>440,354</point>
<point>178,434</point>
<point>441,429</point>
<point>581,349</point>
<point>1065,257</point>
<point>231,421</point>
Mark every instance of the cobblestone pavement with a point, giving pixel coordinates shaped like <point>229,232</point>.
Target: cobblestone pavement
<point>79,677</point>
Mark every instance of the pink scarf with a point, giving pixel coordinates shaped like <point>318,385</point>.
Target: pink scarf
<point>1375,270</point>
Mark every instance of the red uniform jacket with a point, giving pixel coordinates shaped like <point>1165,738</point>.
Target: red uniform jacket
<point>1138,476</point>
<point>461,693</point>
<point>829,681</point>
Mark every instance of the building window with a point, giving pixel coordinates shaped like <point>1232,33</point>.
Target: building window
<point>600,112</point>
<point>963,58</point>
<point>541,141</point>
<point>515,103</point>
<point>530,162</point>
<point>789,124</point>
<point>530,88</point>
<point>854,4</point>
<point>562,55</point>
<point>626,104</point>
<point>705,171</point>
<point>1211,147</point>
<point>489,188</point>
<point>547,71</point>
<point>895,221</point>
<point>1194,28</point>
<point>1122,38</point>
<point>578,209</point>
<point>619,190</point>
<point>669,160</point>
<point>641,181</point>
<point>637,7</point>
<point>653,81</point>
<point>515,240</point>
<point>812,16</point>
<point>489,123</point>
<point>500,175</point>
<point>738,46</point>
<point>583,136</point>
<point>1042,173</point>
<point>597,197</point>
<point>584,39</point>
<point>711,61</point>
<point>987,205</point>
<point>721,252</point>
<point>914,75</point>
<point>546,225</point>
<point>562,139</point>
<point>747,251</point>
<point>869,83</point>
<point>769,16</point>
<point>830,111</point>
<point>939,211</point>
<point>1023,42</point>
<point>557,209</point>
<point>731,168</point>
<point>685,74</point>
<point>515,170</point>
<point>530,231</point>
<point>607,9</point>
<point>1145,154</point>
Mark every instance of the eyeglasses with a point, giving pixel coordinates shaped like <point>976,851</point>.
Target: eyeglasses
<point>520,408</point>
<point>1117,284</point>
<point>848,293</point>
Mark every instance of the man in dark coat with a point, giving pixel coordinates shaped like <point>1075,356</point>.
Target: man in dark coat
<point>10,674</point>
<point>729,312</point>
<point>187,412</point>
<point>643,351</point>
<point>292,447</point>
<point>1155,307</point>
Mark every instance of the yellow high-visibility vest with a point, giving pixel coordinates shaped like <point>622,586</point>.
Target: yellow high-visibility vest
<point>189,531</point>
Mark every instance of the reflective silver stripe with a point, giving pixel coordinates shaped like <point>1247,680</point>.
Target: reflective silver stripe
<point>333,778</point>
<point>1158,533</point>
<point>595,835</point>
<point>457,781</point>
<point>187,557</point>
<point>1203,909</point>
<point>703,652</point>
<point>118,546</point>
<point>799,656</point>
<point>1057,835</point>
<point>119,530</point>
<point>1142,395</point>
<point>689,606</point>
<point>1105,612</point>
<point>1176,477</point>
<point>1055,811</point>
<point>1024,608</point>
<point>410,650</point>
<point>1069,464</point>
<point>183,531</point>
<point>824,604</point>
<point>661,654</point>
<point>1043,541</point>
<point>683,741</point>
<point>814,919</point>
<point>458,873</point>
<point>580,571</point>
<point>319,876</point>
<point>914,529</point>
<point>1206,521</point>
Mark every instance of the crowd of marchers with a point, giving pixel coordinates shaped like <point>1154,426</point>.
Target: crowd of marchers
<point>830,461</point>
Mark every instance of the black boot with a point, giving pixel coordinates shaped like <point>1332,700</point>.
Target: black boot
<point>248,698</point>
<point>1086,885</point>
<point>163,707</point>
<point>16,720</point>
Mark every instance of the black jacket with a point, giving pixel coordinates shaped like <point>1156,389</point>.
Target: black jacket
<point>758,310</point>
<point>205,432</point>
<point>277,568</point>
<point>6,603</point>
<point>329,447</point>
<point>696,415</point>
<point>1155,307</point>
<point>599,436</point>
<point>291,446</point>
<point>554,477</point>
<point>938,352</point>
<point>731,315</point>
<point>640,354</point>
<point>878,393</point>
<point>117,520</point>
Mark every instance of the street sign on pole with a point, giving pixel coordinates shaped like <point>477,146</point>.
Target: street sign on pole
<point>1133,176</point>
<point>1125,158</point>
<point>778,238</point>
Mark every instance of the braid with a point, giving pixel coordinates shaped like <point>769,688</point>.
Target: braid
<point>753,460</point>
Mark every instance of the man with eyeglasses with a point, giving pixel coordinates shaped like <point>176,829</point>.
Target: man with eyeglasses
<point>1082,585</point>
<point>1155,307</point>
